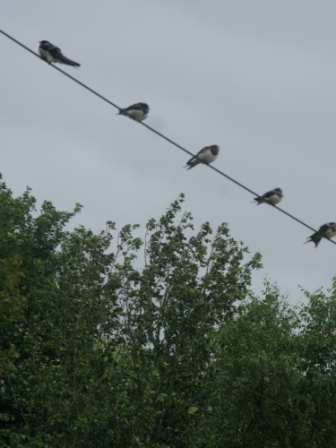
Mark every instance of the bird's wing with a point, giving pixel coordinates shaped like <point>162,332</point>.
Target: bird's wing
<point>55,51</point>
<point>324,228</point>
<point>269,194</point>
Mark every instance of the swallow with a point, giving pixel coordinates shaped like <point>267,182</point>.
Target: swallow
<point>138,111</point>
<point>326,231</point>
<point>271,197</point>
<point>50,53</point>
<point>207,155</point>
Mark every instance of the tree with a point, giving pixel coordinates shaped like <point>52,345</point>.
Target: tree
<point>317,349</point>
<point>273,382</point>
<point>99,349</point>
<point>254,376</point>
<point>111,339</point>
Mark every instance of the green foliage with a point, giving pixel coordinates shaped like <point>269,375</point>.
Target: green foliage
<point>113,340</point>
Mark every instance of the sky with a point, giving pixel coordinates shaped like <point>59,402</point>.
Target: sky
<point>256,78</point>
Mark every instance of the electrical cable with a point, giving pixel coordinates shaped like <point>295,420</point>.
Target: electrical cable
<point>164,137</point>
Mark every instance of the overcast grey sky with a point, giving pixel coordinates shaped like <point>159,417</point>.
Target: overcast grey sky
<point>258,78</point>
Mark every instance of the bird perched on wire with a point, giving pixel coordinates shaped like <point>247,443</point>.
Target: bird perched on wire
<point>50,53</point>
<point>271,197</point>
<point>326,231</point>
<point>138,111</point>
<point>207,155</point>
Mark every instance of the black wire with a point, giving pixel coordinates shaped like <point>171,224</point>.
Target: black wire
<point>164,137</point>
<point>60,70</point>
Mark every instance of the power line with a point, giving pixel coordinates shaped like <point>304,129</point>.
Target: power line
<point>163,136</point>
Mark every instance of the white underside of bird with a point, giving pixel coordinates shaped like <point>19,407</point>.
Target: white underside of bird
<point>275,199</point>
<point>47,56</point>
<point>329,233</point>
<point>207,156</point>
<point>138,115</point>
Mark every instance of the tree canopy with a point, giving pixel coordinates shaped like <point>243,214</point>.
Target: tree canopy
<point>157,340</point>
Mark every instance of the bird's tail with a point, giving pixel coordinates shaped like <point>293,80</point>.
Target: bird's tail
<point>192,163</point>
<point>315,238</point>
<point>68,61</point>
<point>258,201</point>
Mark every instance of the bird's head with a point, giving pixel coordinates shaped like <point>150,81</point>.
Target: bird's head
<point>144,106</point>
<point>214,149</point>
